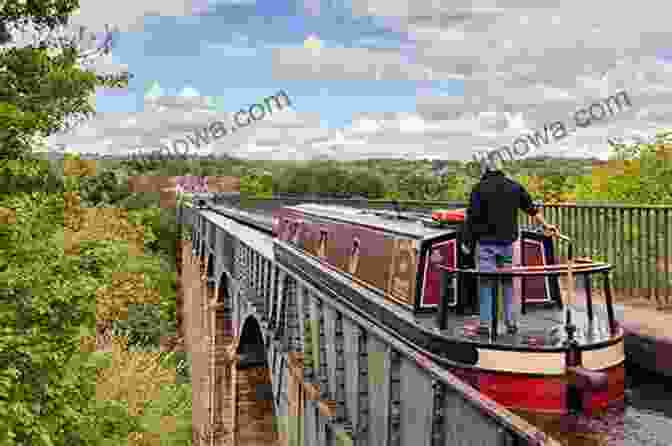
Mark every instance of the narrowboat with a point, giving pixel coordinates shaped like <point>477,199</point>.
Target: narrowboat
<point>407,273</point>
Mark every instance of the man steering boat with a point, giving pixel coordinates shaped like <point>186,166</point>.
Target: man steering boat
<point>491,228</point>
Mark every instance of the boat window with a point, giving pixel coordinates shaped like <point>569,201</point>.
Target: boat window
<point>291,231</point>
<point>355,246</point>
<point>354,256</point>
<point>436,258</point>
<point>295,232</point>
<point>322,248</point>
<point>286,230</point>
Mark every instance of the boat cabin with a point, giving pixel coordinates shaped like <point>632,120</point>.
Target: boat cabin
<point>399,255</point>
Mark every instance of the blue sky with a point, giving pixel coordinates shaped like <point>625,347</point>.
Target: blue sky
<point>376,79</point>
<point>228,52</point>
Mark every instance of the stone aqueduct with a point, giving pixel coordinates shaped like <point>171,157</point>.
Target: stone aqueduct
<point>335,377</point>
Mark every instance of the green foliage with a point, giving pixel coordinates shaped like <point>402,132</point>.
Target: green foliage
<point>106,189</point>
<point>328,177</point>
<point>144,327</point>
<point>175,401</point>
<point>186,232</point>
<point>27,176</point>
<point>47,298</point>
<point>163,228</point>
<point>638,173</point>
<point>41,85</point>
<point>257,185</point>
<point>45,303</point>
<point>365,183</point>
<point>38,92</point>
<point>179,360</point>
<point>182,167</point>
<point>47,14</point>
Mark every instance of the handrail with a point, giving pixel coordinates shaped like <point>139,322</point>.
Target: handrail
<point>550,270</point>
<point>546,270</point>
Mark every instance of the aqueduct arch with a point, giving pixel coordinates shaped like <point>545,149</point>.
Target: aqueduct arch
<point>251,348</point>
<point>254,393</point>
<point>201,255</point>
<point>226,337</point>
<point>211,266</point>
<point>225,331</point>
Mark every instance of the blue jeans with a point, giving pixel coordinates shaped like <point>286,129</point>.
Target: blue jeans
<point>491,255</point>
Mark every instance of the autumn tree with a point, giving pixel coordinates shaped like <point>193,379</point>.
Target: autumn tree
<point>635,173</point>
<point>47,297</point>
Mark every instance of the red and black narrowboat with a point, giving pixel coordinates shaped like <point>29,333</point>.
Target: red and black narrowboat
<point>407,273</point>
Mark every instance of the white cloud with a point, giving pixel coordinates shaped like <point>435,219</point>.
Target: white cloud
<point>524,64</point>
<point>129,15</point>
<point>412,124</point>
<point>189,92</point>
<point>365,126</point>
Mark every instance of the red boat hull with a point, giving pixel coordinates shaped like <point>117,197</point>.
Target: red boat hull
<point>544,394</point>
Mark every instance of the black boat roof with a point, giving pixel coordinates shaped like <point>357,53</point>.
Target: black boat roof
<point>413,225</point>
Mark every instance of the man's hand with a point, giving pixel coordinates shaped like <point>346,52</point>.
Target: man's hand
<point>551,230</point>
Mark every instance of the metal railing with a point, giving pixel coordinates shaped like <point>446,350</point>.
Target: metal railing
<point>634,238</point>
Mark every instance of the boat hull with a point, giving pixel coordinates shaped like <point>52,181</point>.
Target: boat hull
<point>545,394</point>
<point>648,351</point>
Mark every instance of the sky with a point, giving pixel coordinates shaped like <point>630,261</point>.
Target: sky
<point>377,78</point>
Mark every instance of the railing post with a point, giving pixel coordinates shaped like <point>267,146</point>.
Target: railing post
<point>523,309</point>
<point>495,321</point>
<point>610,304</point>
<point>589,296</point>
<point>442,314</point>
<point>666,239</point>
<point>573,359</point>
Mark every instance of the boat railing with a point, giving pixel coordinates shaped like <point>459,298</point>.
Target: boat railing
<point>580,266</point>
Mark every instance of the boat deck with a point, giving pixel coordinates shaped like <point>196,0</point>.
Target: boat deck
<point>541,326</point>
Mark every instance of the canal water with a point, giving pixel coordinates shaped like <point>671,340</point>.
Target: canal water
<point>645,421</point>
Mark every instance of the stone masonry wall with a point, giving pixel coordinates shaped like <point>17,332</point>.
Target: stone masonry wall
<point>193,327</point>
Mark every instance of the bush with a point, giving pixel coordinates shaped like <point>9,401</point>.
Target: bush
<point>144,327</point>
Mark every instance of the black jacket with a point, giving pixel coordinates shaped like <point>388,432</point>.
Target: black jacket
<point>493,208</point>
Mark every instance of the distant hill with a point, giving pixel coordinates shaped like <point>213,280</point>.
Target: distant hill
<point>58,154</point>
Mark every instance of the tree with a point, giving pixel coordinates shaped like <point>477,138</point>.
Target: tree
<point>366,183</point>
<point>330,178</point>
<point>635,173</point>
<point>297,180</point>
<point>550,188</point>
<point>257,185</point>
<point>47,384</point>
<point>41,85</point>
